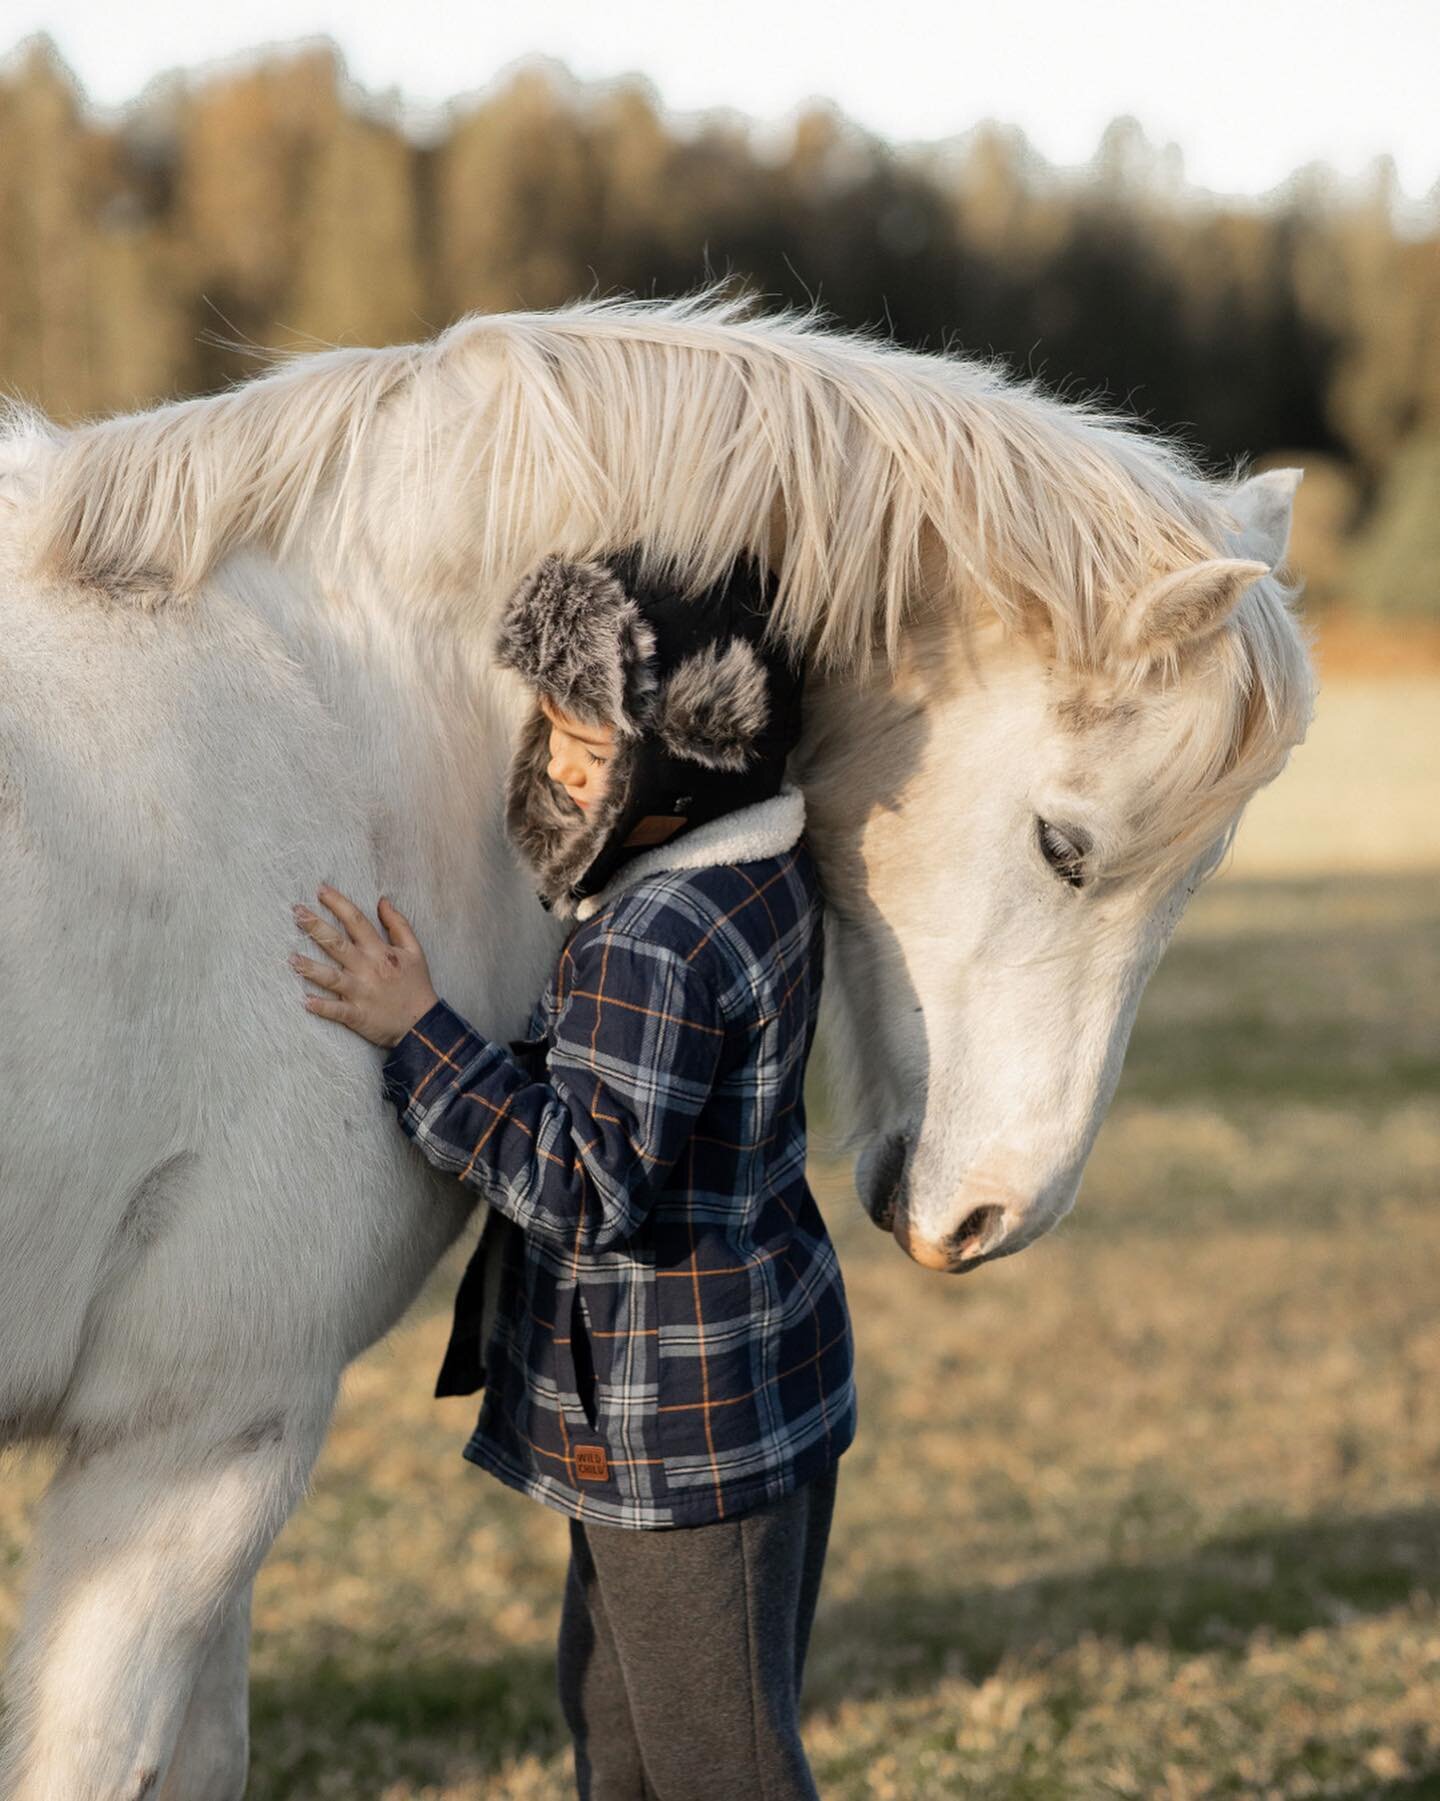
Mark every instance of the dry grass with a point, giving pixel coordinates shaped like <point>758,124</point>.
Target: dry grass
<point>1361,791</point>
<point>1148,1511</point>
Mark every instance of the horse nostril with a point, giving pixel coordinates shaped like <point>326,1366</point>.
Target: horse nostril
<point>969,1237</point>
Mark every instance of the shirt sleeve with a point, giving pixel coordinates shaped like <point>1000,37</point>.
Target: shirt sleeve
<point>580,1155</point>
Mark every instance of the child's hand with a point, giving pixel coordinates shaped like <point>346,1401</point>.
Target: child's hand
<point>376,988</point>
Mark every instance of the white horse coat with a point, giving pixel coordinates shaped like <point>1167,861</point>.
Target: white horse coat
<point>244,649</point>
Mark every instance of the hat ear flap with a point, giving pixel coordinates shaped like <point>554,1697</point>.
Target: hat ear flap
<point>580,641</point>
<point>714,706</point>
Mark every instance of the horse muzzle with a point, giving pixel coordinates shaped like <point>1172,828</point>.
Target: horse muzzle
<point>882,1181</point>
<point>974,1241</point>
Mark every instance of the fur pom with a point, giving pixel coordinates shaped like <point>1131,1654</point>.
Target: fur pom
<point>574,634</point>
<point>714,706</point>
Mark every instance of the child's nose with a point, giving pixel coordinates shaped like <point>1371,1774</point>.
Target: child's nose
<point>564,768</point>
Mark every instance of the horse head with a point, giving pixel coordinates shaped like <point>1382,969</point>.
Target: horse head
<point>1009,832</point>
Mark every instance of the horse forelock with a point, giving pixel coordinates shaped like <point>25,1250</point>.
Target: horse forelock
<point>1229,711</point>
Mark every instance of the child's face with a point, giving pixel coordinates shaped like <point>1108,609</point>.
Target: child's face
<point>580,756</point>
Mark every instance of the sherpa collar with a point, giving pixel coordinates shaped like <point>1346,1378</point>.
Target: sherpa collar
<point>763,829</point>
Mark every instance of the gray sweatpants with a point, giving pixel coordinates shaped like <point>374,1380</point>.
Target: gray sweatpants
<point>681,1653</point>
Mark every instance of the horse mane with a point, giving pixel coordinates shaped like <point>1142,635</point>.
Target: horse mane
<point>680,424</point>
<point>876,481</point>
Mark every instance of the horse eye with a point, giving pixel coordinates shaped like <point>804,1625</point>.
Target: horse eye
<point>1063,854</point>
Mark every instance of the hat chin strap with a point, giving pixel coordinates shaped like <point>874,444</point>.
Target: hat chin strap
<point>653,829</point>
<point>667,796</point>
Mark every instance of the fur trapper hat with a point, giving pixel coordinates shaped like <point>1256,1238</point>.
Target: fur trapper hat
<point>704,712</point>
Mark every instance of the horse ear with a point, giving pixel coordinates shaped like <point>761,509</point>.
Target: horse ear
<point>1262,509</point>
<point>1187,606</point>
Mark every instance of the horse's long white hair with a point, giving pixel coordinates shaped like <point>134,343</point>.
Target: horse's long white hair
<point>878,482</point>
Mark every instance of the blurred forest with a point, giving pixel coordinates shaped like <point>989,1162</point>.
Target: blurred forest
<point>279,204</point>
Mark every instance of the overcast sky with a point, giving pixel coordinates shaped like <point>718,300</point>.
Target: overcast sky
<point>1249,89</point>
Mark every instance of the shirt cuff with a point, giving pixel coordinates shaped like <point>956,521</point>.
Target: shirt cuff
<point>439,1040</point>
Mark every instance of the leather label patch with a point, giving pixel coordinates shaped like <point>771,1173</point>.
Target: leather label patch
<point>591,1463</point>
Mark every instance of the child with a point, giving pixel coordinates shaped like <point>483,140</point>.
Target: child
<point>667,1356</point>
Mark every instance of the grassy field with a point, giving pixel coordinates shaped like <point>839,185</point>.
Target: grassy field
<point>1149,1511</point>
<point>1361,791</point>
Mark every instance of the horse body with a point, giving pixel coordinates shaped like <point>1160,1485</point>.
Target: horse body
<point>207,1215</point>
<point>244,648</point>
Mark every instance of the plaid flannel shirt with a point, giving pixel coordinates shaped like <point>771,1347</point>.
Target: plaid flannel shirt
<point>672,1344</point>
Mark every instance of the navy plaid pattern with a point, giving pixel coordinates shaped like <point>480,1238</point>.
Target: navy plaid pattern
<point>673,1345</point>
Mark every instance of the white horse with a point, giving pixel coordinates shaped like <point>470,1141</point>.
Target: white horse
<point>244,648</point>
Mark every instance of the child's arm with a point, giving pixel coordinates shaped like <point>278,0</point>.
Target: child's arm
<point>580,1155</point>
